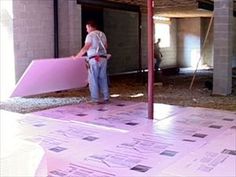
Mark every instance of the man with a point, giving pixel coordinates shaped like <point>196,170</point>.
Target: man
<point>95,46</point>
<point>157,54</point>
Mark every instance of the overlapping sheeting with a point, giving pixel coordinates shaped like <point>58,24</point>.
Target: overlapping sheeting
<point>48,75</point>
<point>217,158</point>
<point>117,139</point>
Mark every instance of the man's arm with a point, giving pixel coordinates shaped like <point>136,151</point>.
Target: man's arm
<point>161,54</point>
<point>83,50</point>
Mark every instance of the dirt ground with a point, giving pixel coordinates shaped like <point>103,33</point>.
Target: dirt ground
<point>175,91</point>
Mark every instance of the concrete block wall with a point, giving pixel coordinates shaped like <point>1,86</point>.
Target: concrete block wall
<point>208,54</point>
<point>223,47</point>
<point>75,27</point>
<point>33,32</point>
<point>169,53</point>
<point>208,49</point>
<point>234,42</point>
<point>189,41</point>
<point>63,28</point>
<point>69,14</point>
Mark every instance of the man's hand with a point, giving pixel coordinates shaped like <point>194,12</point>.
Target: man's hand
<point>74,57</point>
<point>108,56</point>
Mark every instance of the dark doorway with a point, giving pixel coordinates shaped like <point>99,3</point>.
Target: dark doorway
<point>91,13</point>
<point>121,24</point>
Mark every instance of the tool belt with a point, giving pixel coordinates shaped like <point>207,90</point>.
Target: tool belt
<point>97,57</point>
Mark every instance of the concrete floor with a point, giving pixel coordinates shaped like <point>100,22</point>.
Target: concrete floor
<point>117,139</point>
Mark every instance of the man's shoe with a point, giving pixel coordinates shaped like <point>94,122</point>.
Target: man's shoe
<point>104,102</point>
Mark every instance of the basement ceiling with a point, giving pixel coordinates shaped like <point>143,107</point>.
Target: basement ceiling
<point>169,8</point>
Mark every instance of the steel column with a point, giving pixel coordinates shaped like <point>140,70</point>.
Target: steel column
<point>150,6</point>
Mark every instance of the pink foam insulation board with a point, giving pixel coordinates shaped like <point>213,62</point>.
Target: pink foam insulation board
<point>48,75</point>
<point>117,139</point>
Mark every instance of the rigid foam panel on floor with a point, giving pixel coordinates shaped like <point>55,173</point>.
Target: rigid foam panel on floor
<point>113,140</point>
<point>118,114</point>
<point>218,158</point>
<point>84,110</point>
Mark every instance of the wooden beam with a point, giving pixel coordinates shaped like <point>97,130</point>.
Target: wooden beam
<point>109,4</point>
<point>209,5</point>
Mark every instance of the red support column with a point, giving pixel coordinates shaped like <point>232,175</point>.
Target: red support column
<point>150,6</point>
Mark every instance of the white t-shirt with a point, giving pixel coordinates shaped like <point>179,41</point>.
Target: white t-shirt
<point>98,40</point>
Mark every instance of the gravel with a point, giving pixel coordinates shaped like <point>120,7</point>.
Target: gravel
<point>172,90</point>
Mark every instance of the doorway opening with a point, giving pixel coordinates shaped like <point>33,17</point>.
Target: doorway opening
<point>91,13</point>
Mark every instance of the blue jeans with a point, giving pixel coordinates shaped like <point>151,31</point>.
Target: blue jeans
<point>97,78</point>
